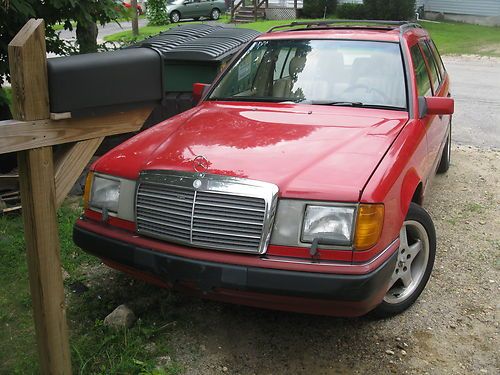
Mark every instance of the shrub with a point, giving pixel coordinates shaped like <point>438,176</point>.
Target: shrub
<point>351,11</point>
<point>316,8</point>
<point>390,9</point>
<point>156,12</point>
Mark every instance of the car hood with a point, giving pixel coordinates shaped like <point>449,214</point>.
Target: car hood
<point>310,152</point>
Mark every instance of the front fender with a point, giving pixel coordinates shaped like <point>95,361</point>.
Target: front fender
<point>410,185</point>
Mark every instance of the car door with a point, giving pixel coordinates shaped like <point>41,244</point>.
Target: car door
<point>189,9</point>
<point>424,88</point>
<point>205,7</point>
<point>438,125</point>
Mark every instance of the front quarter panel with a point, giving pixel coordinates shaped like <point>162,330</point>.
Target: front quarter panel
<point>395,180</point>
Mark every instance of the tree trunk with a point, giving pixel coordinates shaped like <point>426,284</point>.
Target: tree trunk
<point>135,18</point>
<point>86,36</point>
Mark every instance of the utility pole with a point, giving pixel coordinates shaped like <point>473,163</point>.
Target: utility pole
<point>135,17</point>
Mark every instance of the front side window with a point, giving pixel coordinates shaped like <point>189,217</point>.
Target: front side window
<point>437,57</point>
<point>337,72</point>
<point>420,69</point>
<point>432,65</point>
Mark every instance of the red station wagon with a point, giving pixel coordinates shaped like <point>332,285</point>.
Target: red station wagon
<point>297,181</point>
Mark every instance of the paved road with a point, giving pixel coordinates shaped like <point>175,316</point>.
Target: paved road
<point>475,85</point>
<point>108,29</point>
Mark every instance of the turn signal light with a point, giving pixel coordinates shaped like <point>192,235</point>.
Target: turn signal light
<point>368,225</point>
<point>88,188</point>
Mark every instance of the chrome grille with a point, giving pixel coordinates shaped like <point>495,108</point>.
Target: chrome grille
<point>163,208</point>
<point>223,213</point>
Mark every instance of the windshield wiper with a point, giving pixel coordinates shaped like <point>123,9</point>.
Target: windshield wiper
<point>326,102</point>
<point>351,104</point>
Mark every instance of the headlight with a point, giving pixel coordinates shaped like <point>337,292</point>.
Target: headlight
<point>331,223</point>
<point>348,225</point>
<point>105,193</point>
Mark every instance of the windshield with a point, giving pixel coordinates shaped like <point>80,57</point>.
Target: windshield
<point>170,2</point>
<point>328,72</point>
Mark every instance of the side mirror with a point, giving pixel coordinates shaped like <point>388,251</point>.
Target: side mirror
<point>199,89</point>
<point>435,105</point>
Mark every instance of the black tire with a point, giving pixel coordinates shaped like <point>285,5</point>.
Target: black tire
<point>175,16</point>
<point>444,164</point>
<point>215,14</point>
<point>386,309</point>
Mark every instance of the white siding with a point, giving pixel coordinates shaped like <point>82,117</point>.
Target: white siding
<point>467,7</point>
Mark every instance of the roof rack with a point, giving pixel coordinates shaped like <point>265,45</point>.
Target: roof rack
<point>379,24</point>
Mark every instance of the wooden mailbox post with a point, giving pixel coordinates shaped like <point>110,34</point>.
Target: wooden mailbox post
<point>45,181</point>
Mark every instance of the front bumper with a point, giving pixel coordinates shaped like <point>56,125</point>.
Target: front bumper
<point>338,294</point>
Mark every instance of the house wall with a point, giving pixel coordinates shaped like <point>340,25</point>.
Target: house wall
<point>485,8</point>
<point>485,12</point>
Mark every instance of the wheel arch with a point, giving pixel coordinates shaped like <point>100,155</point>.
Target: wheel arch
<point>411,191</point>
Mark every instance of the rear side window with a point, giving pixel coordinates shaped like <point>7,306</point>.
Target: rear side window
<point>437,58</point>
<point>432,65</point>
<point>420,69</point>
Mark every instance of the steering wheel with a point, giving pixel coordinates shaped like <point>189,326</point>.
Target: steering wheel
<point>358,86</point>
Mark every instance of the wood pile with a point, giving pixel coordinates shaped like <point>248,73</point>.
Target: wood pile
<point>10,199</point>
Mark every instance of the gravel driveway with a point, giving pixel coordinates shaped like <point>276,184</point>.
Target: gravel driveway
<point>475,84</point>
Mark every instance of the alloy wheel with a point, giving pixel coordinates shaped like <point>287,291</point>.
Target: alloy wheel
<point>175,17</point>
<point>413,257</point>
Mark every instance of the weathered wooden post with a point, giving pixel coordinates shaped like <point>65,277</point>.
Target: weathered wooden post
<point>45,183</point>
<point>27,59</point>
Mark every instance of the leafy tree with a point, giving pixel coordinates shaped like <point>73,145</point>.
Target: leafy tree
<point>157,12</point>
<point>85,14</point>
<point>318,8</point>
<point>390,9</point>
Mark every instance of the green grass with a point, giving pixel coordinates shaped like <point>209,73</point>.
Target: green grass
<point>144,32</point>
<point>147,31</point>
<point>451,38</point>
<point>95,348</point>
<point>460,38</point>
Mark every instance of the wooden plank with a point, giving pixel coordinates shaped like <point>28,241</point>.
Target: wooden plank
<point>28,69</point>
<point>70,165</point>
<point>36,173</point>
<point>22,135</point>
<point>8,210</point>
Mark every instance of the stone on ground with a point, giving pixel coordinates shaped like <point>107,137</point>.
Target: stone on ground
<point>121,317</point>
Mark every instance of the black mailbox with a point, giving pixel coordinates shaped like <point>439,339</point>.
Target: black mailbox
<point>102,81</point>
